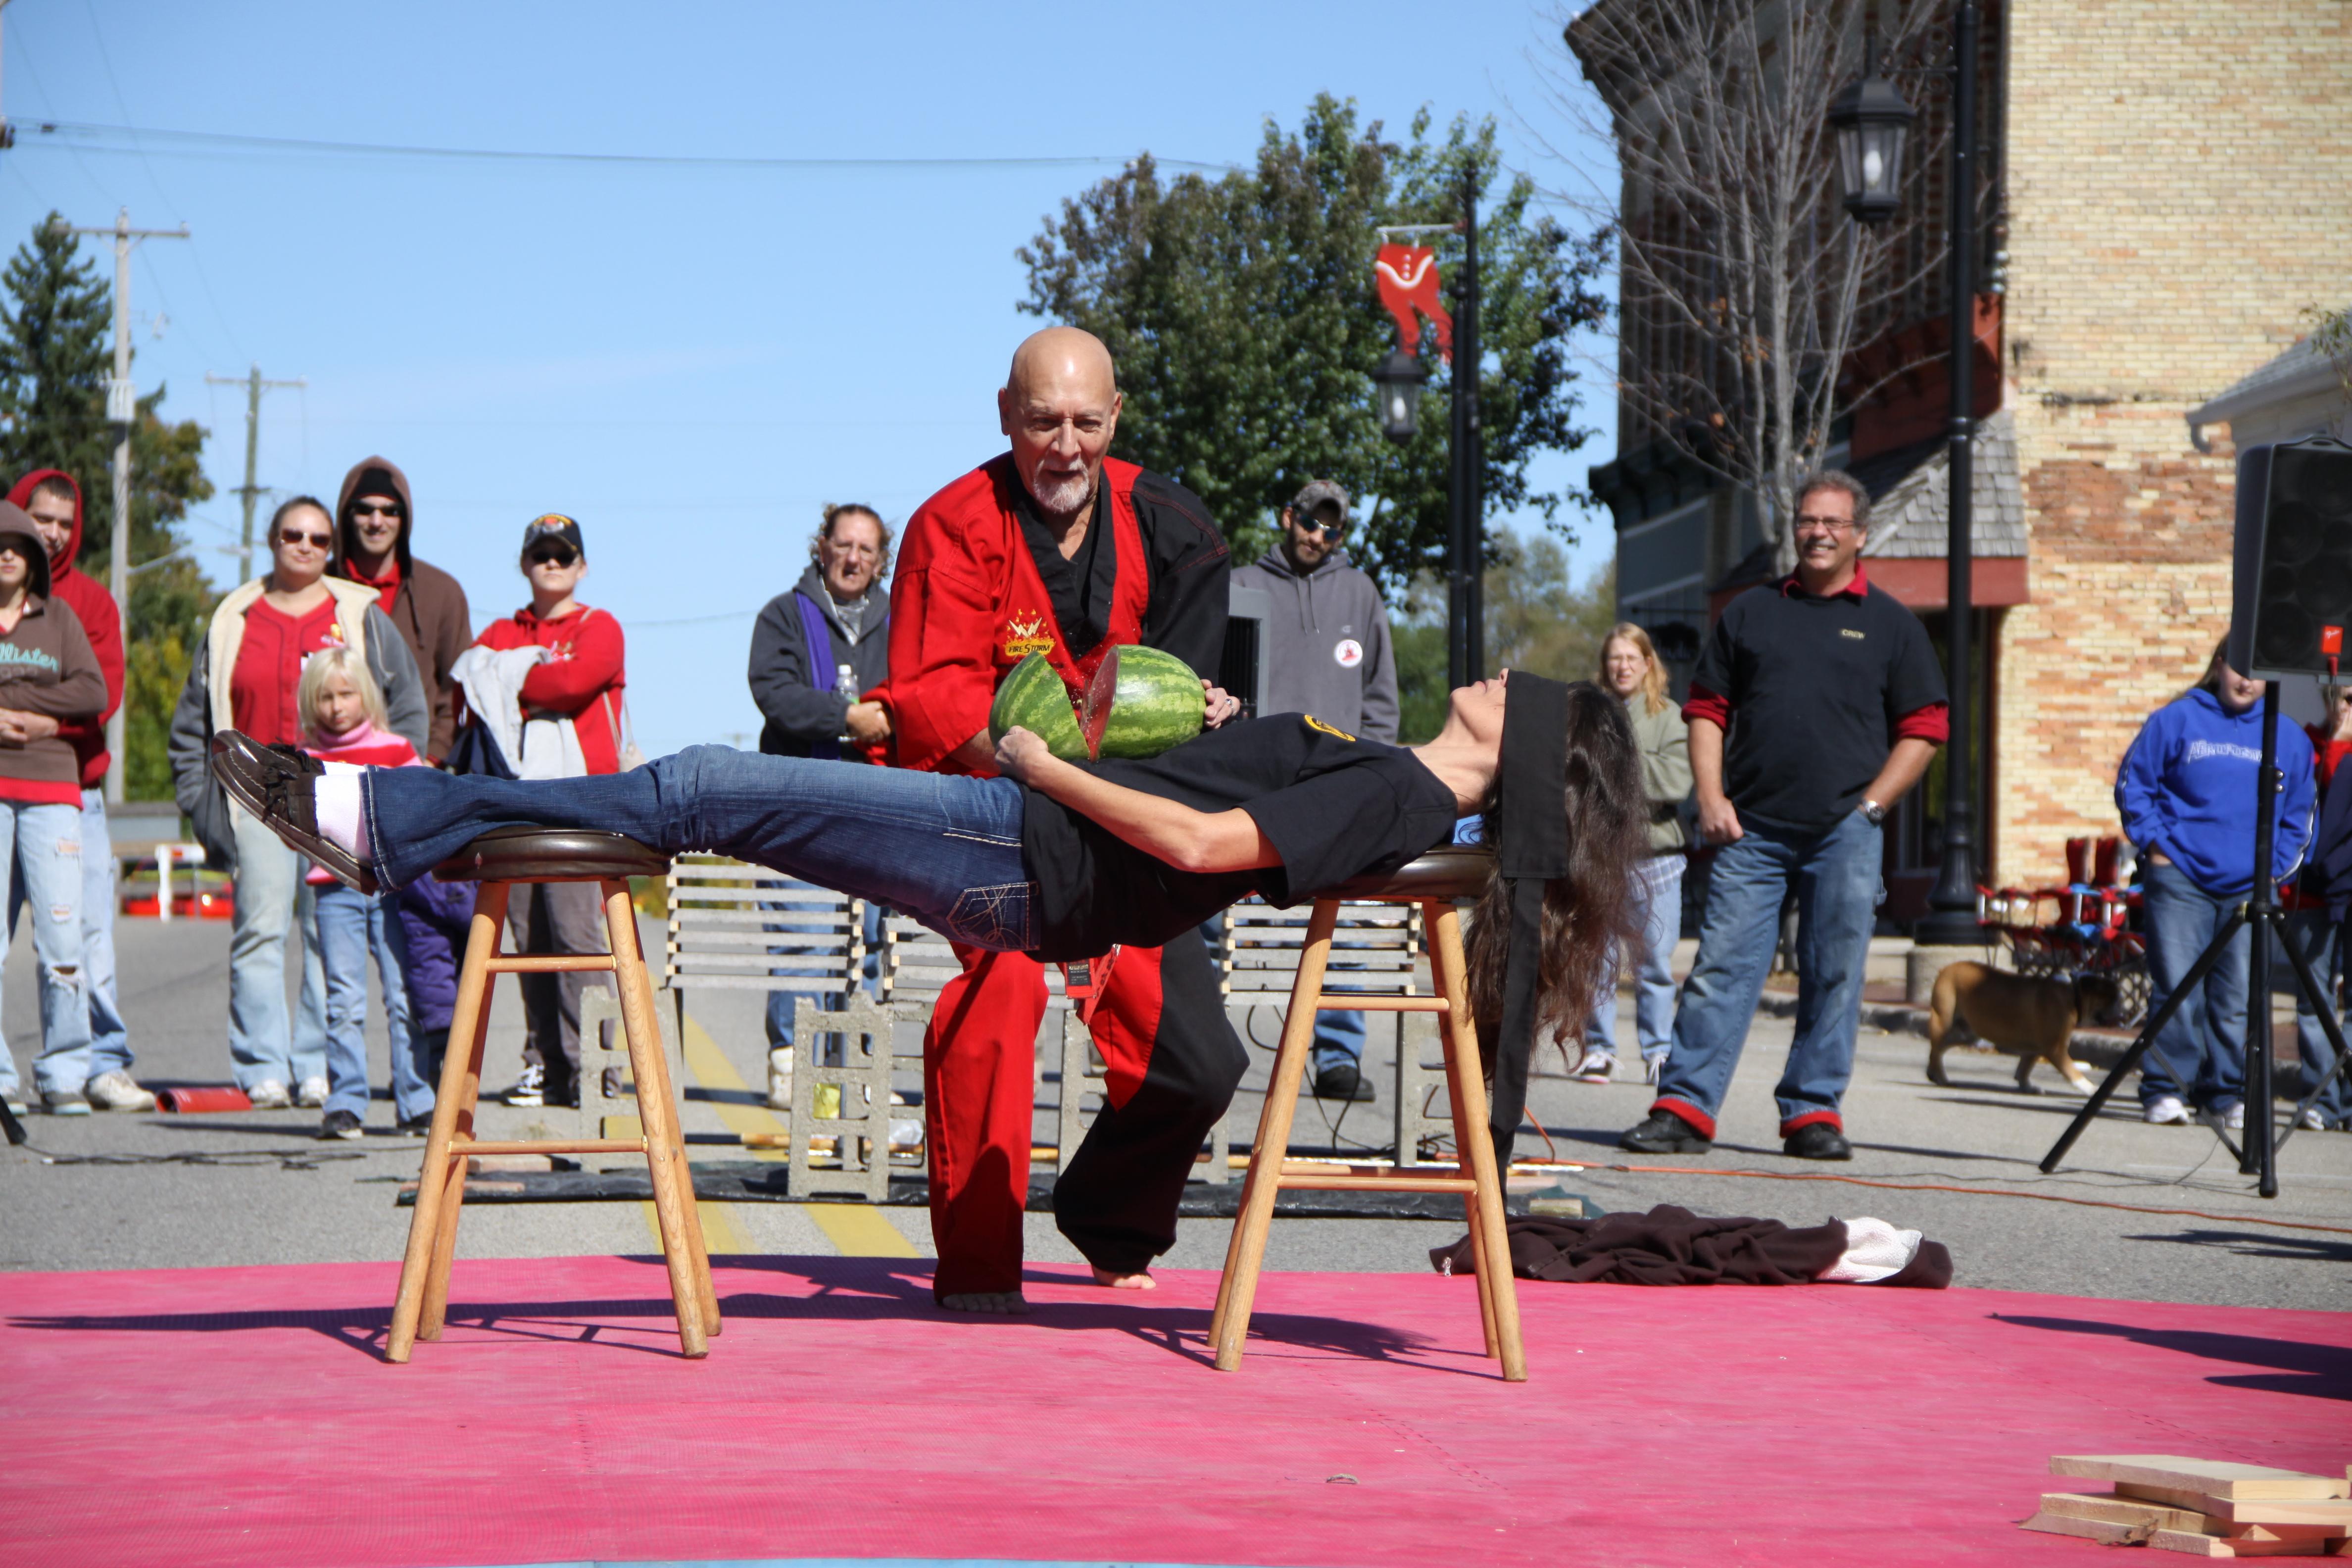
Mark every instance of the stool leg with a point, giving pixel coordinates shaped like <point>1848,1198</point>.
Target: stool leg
<point>1470,1135</point>
<point>1230,1324</point>
<point>1440,965</point>
<point>453,1190</point>
<point>473,1005</point>
<point>681,1227</point>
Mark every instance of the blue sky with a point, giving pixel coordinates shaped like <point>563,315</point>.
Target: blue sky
<point>688,360</point>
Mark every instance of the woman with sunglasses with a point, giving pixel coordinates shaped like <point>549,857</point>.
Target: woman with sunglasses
<point>244,676</point>
<point>574,691</point>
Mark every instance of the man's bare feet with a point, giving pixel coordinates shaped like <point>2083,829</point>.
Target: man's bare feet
<point>1138,1280</point>
<point>994,1303</point>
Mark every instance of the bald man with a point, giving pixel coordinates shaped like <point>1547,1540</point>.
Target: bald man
<point>1056,547</point>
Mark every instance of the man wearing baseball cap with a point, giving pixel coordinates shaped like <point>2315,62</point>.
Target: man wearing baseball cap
<point>1328,653</point>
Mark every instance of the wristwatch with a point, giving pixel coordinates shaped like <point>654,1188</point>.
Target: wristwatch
<point>1874,812</point>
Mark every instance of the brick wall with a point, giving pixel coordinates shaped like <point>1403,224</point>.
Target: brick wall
<point>2176,191</point>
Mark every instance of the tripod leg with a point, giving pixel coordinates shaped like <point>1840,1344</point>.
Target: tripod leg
<point>2307,979</point>
<point>2147,1041</point>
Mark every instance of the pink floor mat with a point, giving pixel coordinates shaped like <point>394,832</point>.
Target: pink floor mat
<point>244,1416</point>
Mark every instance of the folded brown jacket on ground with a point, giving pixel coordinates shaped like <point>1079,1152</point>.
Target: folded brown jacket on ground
<point>1670,1246</point>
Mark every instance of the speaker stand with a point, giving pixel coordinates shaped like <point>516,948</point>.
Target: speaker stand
<point>2259,1156</point>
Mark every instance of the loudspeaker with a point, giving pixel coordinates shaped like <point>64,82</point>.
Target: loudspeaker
<point>1242,670</point>
<point>2291,596</point>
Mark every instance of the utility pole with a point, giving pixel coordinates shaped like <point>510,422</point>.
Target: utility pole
<point>121,411</point>
<point>249,491</point>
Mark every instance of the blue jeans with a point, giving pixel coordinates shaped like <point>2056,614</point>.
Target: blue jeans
<point>42,845</point>
<point>110,1042</point>
<point>345,926</point>
<point>1659,884</point>
<point>2322,945</point>
<point>2206,1038</point>
<point>1836,873</point>
<point>945,850</point>
<point>781,1002</point>
<point>270,897</point>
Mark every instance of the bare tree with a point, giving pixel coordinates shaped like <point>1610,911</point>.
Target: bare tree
<point>1744,288</point>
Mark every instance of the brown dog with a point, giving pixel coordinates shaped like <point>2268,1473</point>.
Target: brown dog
<point>2032,1018</point>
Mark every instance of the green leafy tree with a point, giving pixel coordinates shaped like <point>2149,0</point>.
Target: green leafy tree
<point>55,357</point>
<point>1245,319</point>
<point>1538,619</point>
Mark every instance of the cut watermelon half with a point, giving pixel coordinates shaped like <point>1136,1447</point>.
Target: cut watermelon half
<point>1094,709</point>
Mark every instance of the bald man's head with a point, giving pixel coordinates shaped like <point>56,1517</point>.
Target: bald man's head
<point>1059,408</point>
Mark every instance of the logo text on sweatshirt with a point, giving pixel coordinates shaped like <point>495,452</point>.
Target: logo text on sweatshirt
<point>38,658</point>
<point>2201,750</point>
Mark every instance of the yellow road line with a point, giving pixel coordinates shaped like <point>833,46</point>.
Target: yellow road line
<point>719,1236</point>
<point>856,1230</point>
<point>859,1230</point>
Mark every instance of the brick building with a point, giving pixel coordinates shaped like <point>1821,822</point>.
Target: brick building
<point>2171,183</point>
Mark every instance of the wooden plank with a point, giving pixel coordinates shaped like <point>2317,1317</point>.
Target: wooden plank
<point>2212,1478</point>
<point>2196,1545</point>
<point>2330,1512</point>
<point>2106,1531</point>
<point>2122,1510</point>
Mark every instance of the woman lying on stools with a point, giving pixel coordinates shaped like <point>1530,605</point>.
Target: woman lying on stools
<point>1067,861</point>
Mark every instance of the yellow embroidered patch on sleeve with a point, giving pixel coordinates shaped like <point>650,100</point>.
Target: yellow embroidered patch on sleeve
<point>1314,723</point>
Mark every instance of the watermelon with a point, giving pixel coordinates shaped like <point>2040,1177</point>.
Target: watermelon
<point>1140,702</point>
<point>1033,698</point>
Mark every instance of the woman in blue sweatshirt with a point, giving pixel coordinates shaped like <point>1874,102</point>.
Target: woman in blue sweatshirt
<point>2186,790</point>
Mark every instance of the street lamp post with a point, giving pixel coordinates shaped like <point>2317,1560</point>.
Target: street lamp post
<point>1466,641</point>
<point>1871,117</point>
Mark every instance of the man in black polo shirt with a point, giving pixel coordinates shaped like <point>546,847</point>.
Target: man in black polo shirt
<point>1834,705</point>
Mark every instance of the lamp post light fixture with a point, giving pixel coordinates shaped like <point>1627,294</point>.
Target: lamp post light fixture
<point>1399,380</point>
<point>1871,121</point>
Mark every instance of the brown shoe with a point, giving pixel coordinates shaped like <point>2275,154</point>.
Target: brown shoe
<point>275,784</point>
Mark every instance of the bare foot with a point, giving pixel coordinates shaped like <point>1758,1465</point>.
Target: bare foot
<point>994,1303</point>
<point>1136,1281</point>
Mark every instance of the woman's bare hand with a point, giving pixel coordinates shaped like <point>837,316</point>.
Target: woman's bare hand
<point>868,723</point>
<point>1020,754</point>
<point>1221,705</point>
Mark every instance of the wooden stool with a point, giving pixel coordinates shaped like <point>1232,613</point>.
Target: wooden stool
<point>1434,882</point>
<point>497,860</point>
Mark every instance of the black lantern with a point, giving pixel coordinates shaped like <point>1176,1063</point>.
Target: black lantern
<point>1399,380</point>
<point>1871,121</point>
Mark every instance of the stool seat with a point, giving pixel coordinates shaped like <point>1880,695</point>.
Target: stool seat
<point>1449,871</point>
<point>551,855</point>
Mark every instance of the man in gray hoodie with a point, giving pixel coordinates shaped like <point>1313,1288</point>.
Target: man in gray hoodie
<point>1328,653</point>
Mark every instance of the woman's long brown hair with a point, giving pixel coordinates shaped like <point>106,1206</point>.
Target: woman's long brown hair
<point>1593,906</point>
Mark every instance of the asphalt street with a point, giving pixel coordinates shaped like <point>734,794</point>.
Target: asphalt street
<point>164,1191</point>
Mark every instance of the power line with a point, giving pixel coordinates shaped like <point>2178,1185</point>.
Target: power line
<point>96,137</point>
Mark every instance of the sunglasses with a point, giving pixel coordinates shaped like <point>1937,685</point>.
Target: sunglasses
<point>1309,525</point>
<point>362,508</point>
<point>547,556</point>
<point>298,536</point>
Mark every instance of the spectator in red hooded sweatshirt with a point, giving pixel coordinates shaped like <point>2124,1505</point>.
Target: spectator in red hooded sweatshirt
<point>53,499</point>
<point>548,682</point>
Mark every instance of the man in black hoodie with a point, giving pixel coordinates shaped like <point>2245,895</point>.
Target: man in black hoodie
<point>816,650</point>
<point>373,520</point>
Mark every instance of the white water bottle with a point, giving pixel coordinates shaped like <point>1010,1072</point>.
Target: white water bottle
<point>845,685</point>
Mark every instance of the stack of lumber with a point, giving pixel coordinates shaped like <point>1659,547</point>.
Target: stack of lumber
<point>2201,1507</point>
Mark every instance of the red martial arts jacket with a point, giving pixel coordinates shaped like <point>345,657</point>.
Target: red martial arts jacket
<point>980,584</point>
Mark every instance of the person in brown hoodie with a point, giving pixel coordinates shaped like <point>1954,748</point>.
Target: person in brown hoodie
<point>373,519</point>
<point>48,675</point>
